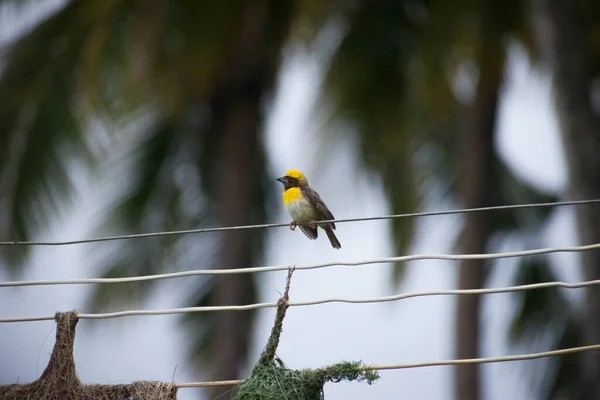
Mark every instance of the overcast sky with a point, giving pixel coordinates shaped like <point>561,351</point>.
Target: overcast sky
<point>412,330</point>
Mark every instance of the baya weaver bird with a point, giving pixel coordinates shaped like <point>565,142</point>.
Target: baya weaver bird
<point>306,208</point>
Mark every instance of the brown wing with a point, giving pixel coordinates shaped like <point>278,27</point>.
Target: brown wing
<point>315,201</point>
<point>309,232</point>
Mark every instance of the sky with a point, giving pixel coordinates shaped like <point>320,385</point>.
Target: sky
<point>412,330</point>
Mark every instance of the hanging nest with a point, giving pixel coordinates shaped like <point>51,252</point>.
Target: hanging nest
<point>272,380</point>
<point>59,380</point>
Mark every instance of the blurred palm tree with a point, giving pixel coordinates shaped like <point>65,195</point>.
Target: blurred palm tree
<point>197,74</point>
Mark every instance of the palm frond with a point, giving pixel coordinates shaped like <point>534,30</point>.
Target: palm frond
<point>36,119</point>
<point>157,199</point>
<point>365,85</point>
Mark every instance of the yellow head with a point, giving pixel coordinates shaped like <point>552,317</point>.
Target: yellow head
<point>295,174</point>
<point>293,178</point>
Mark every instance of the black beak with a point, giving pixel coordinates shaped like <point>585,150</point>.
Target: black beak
<point>281,179</point>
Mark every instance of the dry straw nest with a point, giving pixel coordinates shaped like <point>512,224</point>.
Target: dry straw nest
<point>59,380</point>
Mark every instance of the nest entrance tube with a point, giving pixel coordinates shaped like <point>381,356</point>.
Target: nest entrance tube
<point>59,380</point>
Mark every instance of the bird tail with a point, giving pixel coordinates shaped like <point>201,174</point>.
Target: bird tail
<point>335,243</point>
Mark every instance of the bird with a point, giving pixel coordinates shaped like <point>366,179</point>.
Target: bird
<point>306,208</point>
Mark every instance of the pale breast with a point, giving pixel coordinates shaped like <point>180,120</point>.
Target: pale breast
<point>300,210</point>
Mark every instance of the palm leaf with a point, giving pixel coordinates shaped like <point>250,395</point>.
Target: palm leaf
<point>37,120</point>
<point>365,86</point>
<point>156,201</point>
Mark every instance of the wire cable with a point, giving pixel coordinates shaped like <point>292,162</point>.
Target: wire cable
<point>416,257</point>
<point>264,226</point>
<point>383,299</point>
<point>487,360</point>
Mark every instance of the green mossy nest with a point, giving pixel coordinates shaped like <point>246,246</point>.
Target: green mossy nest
<point>273,381</point>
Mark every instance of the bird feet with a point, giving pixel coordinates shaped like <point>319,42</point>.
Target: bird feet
<point>294,224</point>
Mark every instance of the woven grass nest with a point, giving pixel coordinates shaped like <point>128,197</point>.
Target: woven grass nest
<point>59,380</point>
<point>273,381</point>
